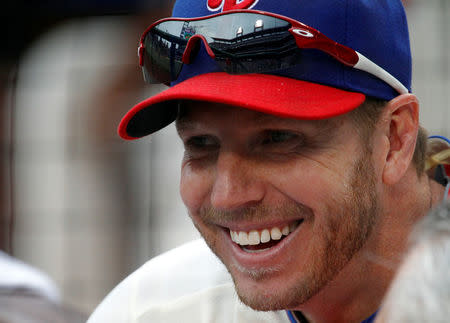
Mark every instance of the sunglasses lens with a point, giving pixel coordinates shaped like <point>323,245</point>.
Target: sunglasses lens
<point>163,53</point>
<point>241,42</point>
<point>261,50</point>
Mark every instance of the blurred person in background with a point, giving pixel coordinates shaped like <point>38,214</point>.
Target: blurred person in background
<point>297,173</point>
<point>420,291</point>
<point>27,295</point>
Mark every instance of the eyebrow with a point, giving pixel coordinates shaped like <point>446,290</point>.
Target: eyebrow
<point>184,124</point>
<point>321,124</point>
<point>269,118</point>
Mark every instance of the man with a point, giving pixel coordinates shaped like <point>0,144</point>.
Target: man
<point>427,264</point>
<point>303,166</point>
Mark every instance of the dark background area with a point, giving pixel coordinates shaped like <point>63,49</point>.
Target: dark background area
<point>21,23</point>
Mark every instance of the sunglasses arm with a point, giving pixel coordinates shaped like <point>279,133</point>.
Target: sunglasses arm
<point>366,65</point>
<point>313,39</point>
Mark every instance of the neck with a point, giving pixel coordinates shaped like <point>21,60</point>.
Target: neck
<point>357,291</point>
<point>354,295</point>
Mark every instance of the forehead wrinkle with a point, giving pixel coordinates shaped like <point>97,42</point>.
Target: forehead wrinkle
<point>323,127</point>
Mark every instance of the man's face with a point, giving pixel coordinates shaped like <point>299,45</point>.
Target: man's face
<point>252,177</point>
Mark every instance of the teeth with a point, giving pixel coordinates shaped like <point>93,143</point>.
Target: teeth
<point>265,236</point>
<point>255,237</point>
<point>293,226</point>
<point>243,238</point>
<point>275,234</point>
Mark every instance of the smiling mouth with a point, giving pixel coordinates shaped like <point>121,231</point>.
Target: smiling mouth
<point>255,241</point>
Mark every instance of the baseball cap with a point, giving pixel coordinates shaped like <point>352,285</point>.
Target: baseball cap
<point>317,87</point>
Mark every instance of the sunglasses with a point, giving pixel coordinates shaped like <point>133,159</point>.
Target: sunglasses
<point>241,42</point>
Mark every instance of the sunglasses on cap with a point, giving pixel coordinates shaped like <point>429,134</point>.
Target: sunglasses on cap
<point>241,42</point>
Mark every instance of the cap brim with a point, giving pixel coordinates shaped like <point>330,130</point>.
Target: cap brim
<point>276,95</point>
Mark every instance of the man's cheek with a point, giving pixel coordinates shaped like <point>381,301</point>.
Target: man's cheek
<point>193,190</point>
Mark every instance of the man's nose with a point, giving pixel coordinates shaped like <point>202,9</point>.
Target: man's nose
<point>236,183</point>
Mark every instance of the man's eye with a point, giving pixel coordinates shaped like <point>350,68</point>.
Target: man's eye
<point>199,142</point>
<point>278,136</point>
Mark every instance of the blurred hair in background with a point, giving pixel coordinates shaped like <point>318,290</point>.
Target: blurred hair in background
<point>77,202</point>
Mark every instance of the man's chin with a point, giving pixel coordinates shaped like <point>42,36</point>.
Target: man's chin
<point>268,294</point>
<point>268,300</point>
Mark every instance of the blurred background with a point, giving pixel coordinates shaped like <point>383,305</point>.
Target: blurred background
<point>77,202</point>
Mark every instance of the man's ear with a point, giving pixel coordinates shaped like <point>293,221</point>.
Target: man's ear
<point>402,116</point>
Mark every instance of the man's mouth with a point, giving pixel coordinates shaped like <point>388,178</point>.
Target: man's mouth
<point>255,241</point>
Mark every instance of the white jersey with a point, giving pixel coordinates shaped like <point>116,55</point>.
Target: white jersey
<point>186,284</point>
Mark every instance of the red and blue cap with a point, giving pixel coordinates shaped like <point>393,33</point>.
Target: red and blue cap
<point>318,87</point>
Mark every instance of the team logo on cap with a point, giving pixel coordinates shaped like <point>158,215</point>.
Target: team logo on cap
<point>225,5</point>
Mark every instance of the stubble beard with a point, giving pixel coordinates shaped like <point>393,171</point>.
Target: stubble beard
<point>343,237</point>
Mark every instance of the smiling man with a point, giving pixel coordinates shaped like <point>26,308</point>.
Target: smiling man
<point>254,187</point>
<point>303,167</point>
